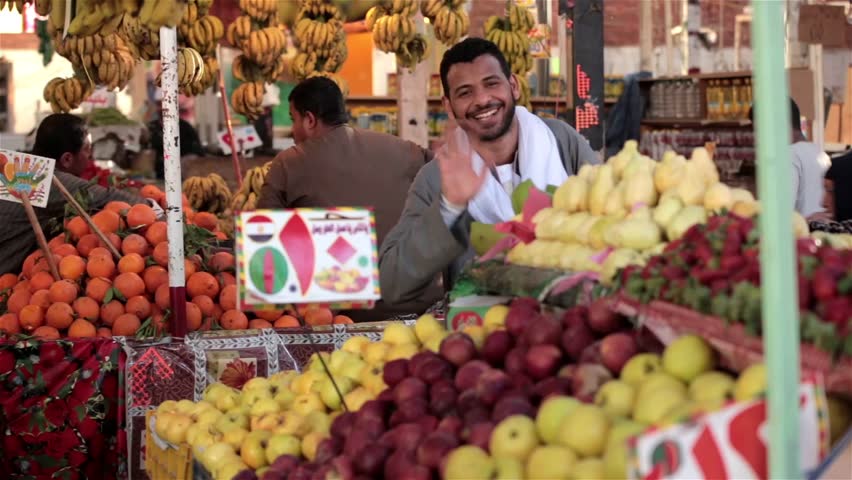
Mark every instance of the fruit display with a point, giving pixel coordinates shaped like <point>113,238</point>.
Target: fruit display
<point>260,37</point>
<point>394,31</point>
<point>715,269</point>
<point>448,18</point>
<point>199,34</point>
<point>509,33</point>
<point>617,214</point>
<point>318,32</point>
<point>245,198</point>
<point>211,194</point>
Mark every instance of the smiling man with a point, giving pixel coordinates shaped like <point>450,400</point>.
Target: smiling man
<point>496,146</point>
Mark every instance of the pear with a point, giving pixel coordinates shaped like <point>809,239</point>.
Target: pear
<point>640,190</point>
<point>741,195</point>
<point>614,204</point>
<point>688,216</point>
<point>692,186</point>
<point>666,210</point>
<point>600,190</point>
<point>638,234</point>
<point>582,232</point>
<point>572,195</point>
<point>597,233</point>
<point>588,173</point>
<point>701,158</point>
<point>669,173</point>
<point>718,197</point>
<point>567,230</point>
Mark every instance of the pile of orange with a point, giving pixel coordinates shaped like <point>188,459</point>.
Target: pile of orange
<point>99,296</point>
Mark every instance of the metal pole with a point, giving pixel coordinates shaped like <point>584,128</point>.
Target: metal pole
<point>174,193</point>
<point>223,94</point>
<point>777,254</point>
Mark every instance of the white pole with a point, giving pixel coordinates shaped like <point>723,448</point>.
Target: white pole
<point>174,194</point>
<point>667,4</point>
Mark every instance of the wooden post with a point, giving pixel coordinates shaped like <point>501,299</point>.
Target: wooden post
<point>413,113</point>
<point>85,216</point>
<point>646,36</point>
<point>39,234</point>
<point>667,6</point>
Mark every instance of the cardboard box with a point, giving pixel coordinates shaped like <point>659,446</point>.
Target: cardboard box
<point>471,310</point>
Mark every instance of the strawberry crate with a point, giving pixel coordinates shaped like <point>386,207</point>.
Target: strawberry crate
<point>164,461</point>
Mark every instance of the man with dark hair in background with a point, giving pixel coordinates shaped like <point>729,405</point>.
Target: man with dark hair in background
<point>497,146</point>
<point>336,165</point>
<point>64,138</point>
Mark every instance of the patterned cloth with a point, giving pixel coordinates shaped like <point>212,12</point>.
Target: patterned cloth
<point>831,226</point>
<point>62,410</point>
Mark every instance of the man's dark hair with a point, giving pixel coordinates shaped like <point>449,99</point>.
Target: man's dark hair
<point>467,51</point>
<point>795,116</point>
<point>59,133</point>
<point>322,97</point>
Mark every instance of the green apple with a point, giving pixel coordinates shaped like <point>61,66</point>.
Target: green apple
<point>639,367</point>
<point>508,468</point>
<point>357,397</point>
<point>688,357</point>
<point>285,398</point>
<point>307,403</point>
<point>550,416</point>
<point>550,462</point>
<point>588,469</point>
<point>218,454</point>
<point>751,384</point>
<point>355,344</point>
<point>427,327</point>
<point>514,437</point>
<point>329,394</point>
<point>264,406</point>
<point>251,397</point>
<point>658,380</point>
<point>616,398</point>
<point>653,405</point>
<point>256,383</point>
<point>399,334</point>
<point>253,449</point>
<point>235,437</point>
<point>319,422</point>
<point>281,444</point>
<point>711,387</point>
<point>468,463</point>
<point>585,430</point>
<point>230,420</point>
<point>615,455</point>
<point>495,317</point>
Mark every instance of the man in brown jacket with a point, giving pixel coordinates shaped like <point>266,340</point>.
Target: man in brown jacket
<point>336,165</point>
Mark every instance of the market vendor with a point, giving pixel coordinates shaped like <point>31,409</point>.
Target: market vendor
<point>496,146</point>
<point>334,164</point>
<point>63,137</point>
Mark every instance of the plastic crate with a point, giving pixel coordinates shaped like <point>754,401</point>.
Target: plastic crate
<point>164,461</point>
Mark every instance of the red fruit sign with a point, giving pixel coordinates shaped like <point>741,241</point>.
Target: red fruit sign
<point>299,246</point>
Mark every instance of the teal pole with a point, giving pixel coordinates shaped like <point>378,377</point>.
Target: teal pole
<point>777,253</point>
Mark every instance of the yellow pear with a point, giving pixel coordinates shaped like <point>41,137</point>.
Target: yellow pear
<point>588,173</point>
<point>692,186</point>
<point>640,190</point>
<point>718,197</point>
<point>669,173</point>
<point>688,216</point>
<point>666,210</point>
<point>572,195</point>
<point>745,208</point>
<point>701,158</point>
<point>741,195</point>
<point>614,203</point>
<point>600,190</point>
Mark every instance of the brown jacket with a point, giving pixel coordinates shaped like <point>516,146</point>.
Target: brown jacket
<point>349,167</point>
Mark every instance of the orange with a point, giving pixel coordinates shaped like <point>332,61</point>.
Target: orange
<point>23,285</point>
<point>139,306</point>
<point>8,280</point>
<point>225,279</point>
<point>126,325</point>
<point>110,311</point>
<point>154,276</point>
<point>221,261</point>
<point>64,250</point>
<point>202,283</point>
<point>286,321</point>
<point>259,323</point>
<point>134,243</point>
<point>100,266</point>
<point>31,317</point>
<point>41,264</point>
<point>131,263</point>
<point>41,281</point>
<point>157,233</point>
<point>41,298</point>
<point>56,241</point>
<point>233,320</point>
<point>216,314</point>
<point>76,228</point>
<point>63,291</point>
<point>9,324</point>
<point>151,191</point>
<point>140,215</point>
<point>189,268</point>
<point>81,328</point>
<point>206,220</point>
<point>220,235</point>
<point>72,267</point>
<point>101,251</point>
<point>104,332</point>
<point>160,254</point>
<point>97,288</point>
<point>269,315</point>
<point>107,221</point>
<point>117,207</point>
<point>87,243</point>
<point>18,300</point>
<point>46,332</point>
<point>205,303</point>
<point>160,322</point>
<point>86,308</point>
<point>29,262</point>
<point>114,239</point>
<point>228,297</point>
<point>129,284</point>
<point>162,297</point>
<point>338,319</point>
<point>60,315</point>
<point>193,317</point>
<point>318,316</point>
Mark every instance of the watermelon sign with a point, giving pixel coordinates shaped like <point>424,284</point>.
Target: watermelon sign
<point>294,256</point>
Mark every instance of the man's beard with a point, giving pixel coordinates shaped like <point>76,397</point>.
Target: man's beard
<point>504,127</point>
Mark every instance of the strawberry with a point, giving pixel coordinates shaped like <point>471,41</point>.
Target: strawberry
<point>703,253</point>
<point>732,263</point>
<point>672,272</point>
<point>823,284</point>
<point>806,246</point>
<point>804,292</point>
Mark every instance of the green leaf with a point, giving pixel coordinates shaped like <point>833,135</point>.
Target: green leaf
<point>118,295</point>
<point>50,462</point>
<point>109,295</point>
<point>80,410</point>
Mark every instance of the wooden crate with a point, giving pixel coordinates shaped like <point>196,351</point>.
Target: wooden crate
<point>169,463</point>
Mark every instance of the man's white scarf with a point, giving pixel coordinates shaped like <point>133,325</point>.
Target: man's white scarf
<point>538,160</point>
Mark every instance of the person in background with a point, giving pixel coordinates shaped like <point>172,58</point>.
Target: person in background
<point>336,165</point>
<point>63,137</point>
<point>838,188</point>
<point>496,146</point>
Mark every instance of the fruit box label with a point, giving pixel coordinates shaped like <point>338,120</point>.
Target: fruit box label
<point>245,138</point>
<point>470,310</point>
<point>323,256</point>
<point>25,174</point>
<point>730,443</point>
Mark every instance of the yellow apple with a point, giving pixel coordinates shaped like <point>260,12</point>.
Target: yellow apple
<point>310,443</point>
<point>688,357</point>
<point>216,455</point>
<point>588,469</point>
<point>328,394</point>
<point>284,397</point>
<point>175,431</point>
<point>550,462</point>
<point>372,379</point>
<point>514,437</point>
<point>355,344</point>
<point>653,405</point>
<point>307,403</point>
<point>751,383</point>
<point>403,350</point>
<point>375,352</point>
<point>235,437</point>
<point>357,397</point>
<point>278,445</point>
<point>302,383</point>
<point>495,317</point>
<point>251,397</point>
<point>253,449</point>
<point>231,420</point>
<point>319,422</point>
<point>230,470</point>
<point>295,424</point>
<point>352,369</point>
<point>585,430</point>
<point>256,383</point>
<point>427,327</point>
<point>167,406</point>
<point>185,406</point>
<point>399,334</point>
<point>434,343</point>
<point>264,406</point>
<point>639,367</point>
<point>268,421</point>
<point>477,333</point>
<point>551,414</point>
<point>227,400</point>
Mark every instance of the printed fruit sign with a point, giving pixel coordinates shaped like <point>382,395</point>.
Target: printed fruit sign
<point>25,174</point>
<point>245,138</point>
<point>307,256</point>
<point>730,443</point>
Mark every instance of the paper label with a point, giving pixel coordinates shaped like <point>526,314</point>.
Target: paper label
<point>25,174</point>
<point>245,138</point>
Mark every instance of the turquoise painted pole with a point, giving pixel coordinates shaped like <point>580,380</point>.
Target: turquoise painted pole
<point>777,253</point>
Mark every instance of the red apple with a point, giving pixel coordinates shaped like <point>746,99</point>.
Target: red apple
<point>603,319</point>
<point>543,331</point>
<point>398,462</point>
<point>516,360</point>
<point>480,434</point>
<point>412,409</point>
<point>405,437</point>
<point>525,302</point>
<point>588,378</point>
<point>491,385</point>
<point>442,398</point>
<point>468,374</point>
<point>552,386</point>
<point>371,461</point>
<point>511,405</point>
<point>467,400</point>
<point>458,349</point>
<point>432,369</point>
<point>496,347</point>
<point>575,314</point>
<point>452,425</point>
<point>409,388</point>
<point>341,427</point>
<point>434,447</point>
<point>328,449</point>
<point>576,338</point>
<point>542,361</point>
<point>395,371</point>
<point>428,423</point>
<point>591,354</point>
<point>616,350</point>
<point>476,415</point>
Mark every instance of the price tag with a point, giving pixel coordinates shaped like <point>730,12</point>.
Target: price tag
<point>245,136</point>
<point>25,174</point>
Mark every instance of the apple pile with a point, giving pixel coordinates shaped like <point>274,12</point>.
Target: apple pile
<point>715,269</point>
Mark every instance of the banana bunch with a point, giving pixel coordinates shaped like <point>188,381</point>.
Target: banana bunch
<point>160,13</point>
<point>520,19</point>
<point>66,94</point>
<point>208,194</point>
<point>526,94</point>
<point>246,197</point>
<point>315,34</point>
<point>413,52</point>
<point>391,32</point>
<point>302,65</point>
<point>200,31</point>
<point>211,75</point>
<point>143,41</point>
<point>394,30</point>
<point>260,10</point>
<point>449,19</point>
<point>190,66</point>
<point>238,31</point>
<point>510,35</point>
<point>104,60</point>
<point>247,99</point>
<point>265,45</point>
<point>318,31</point>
